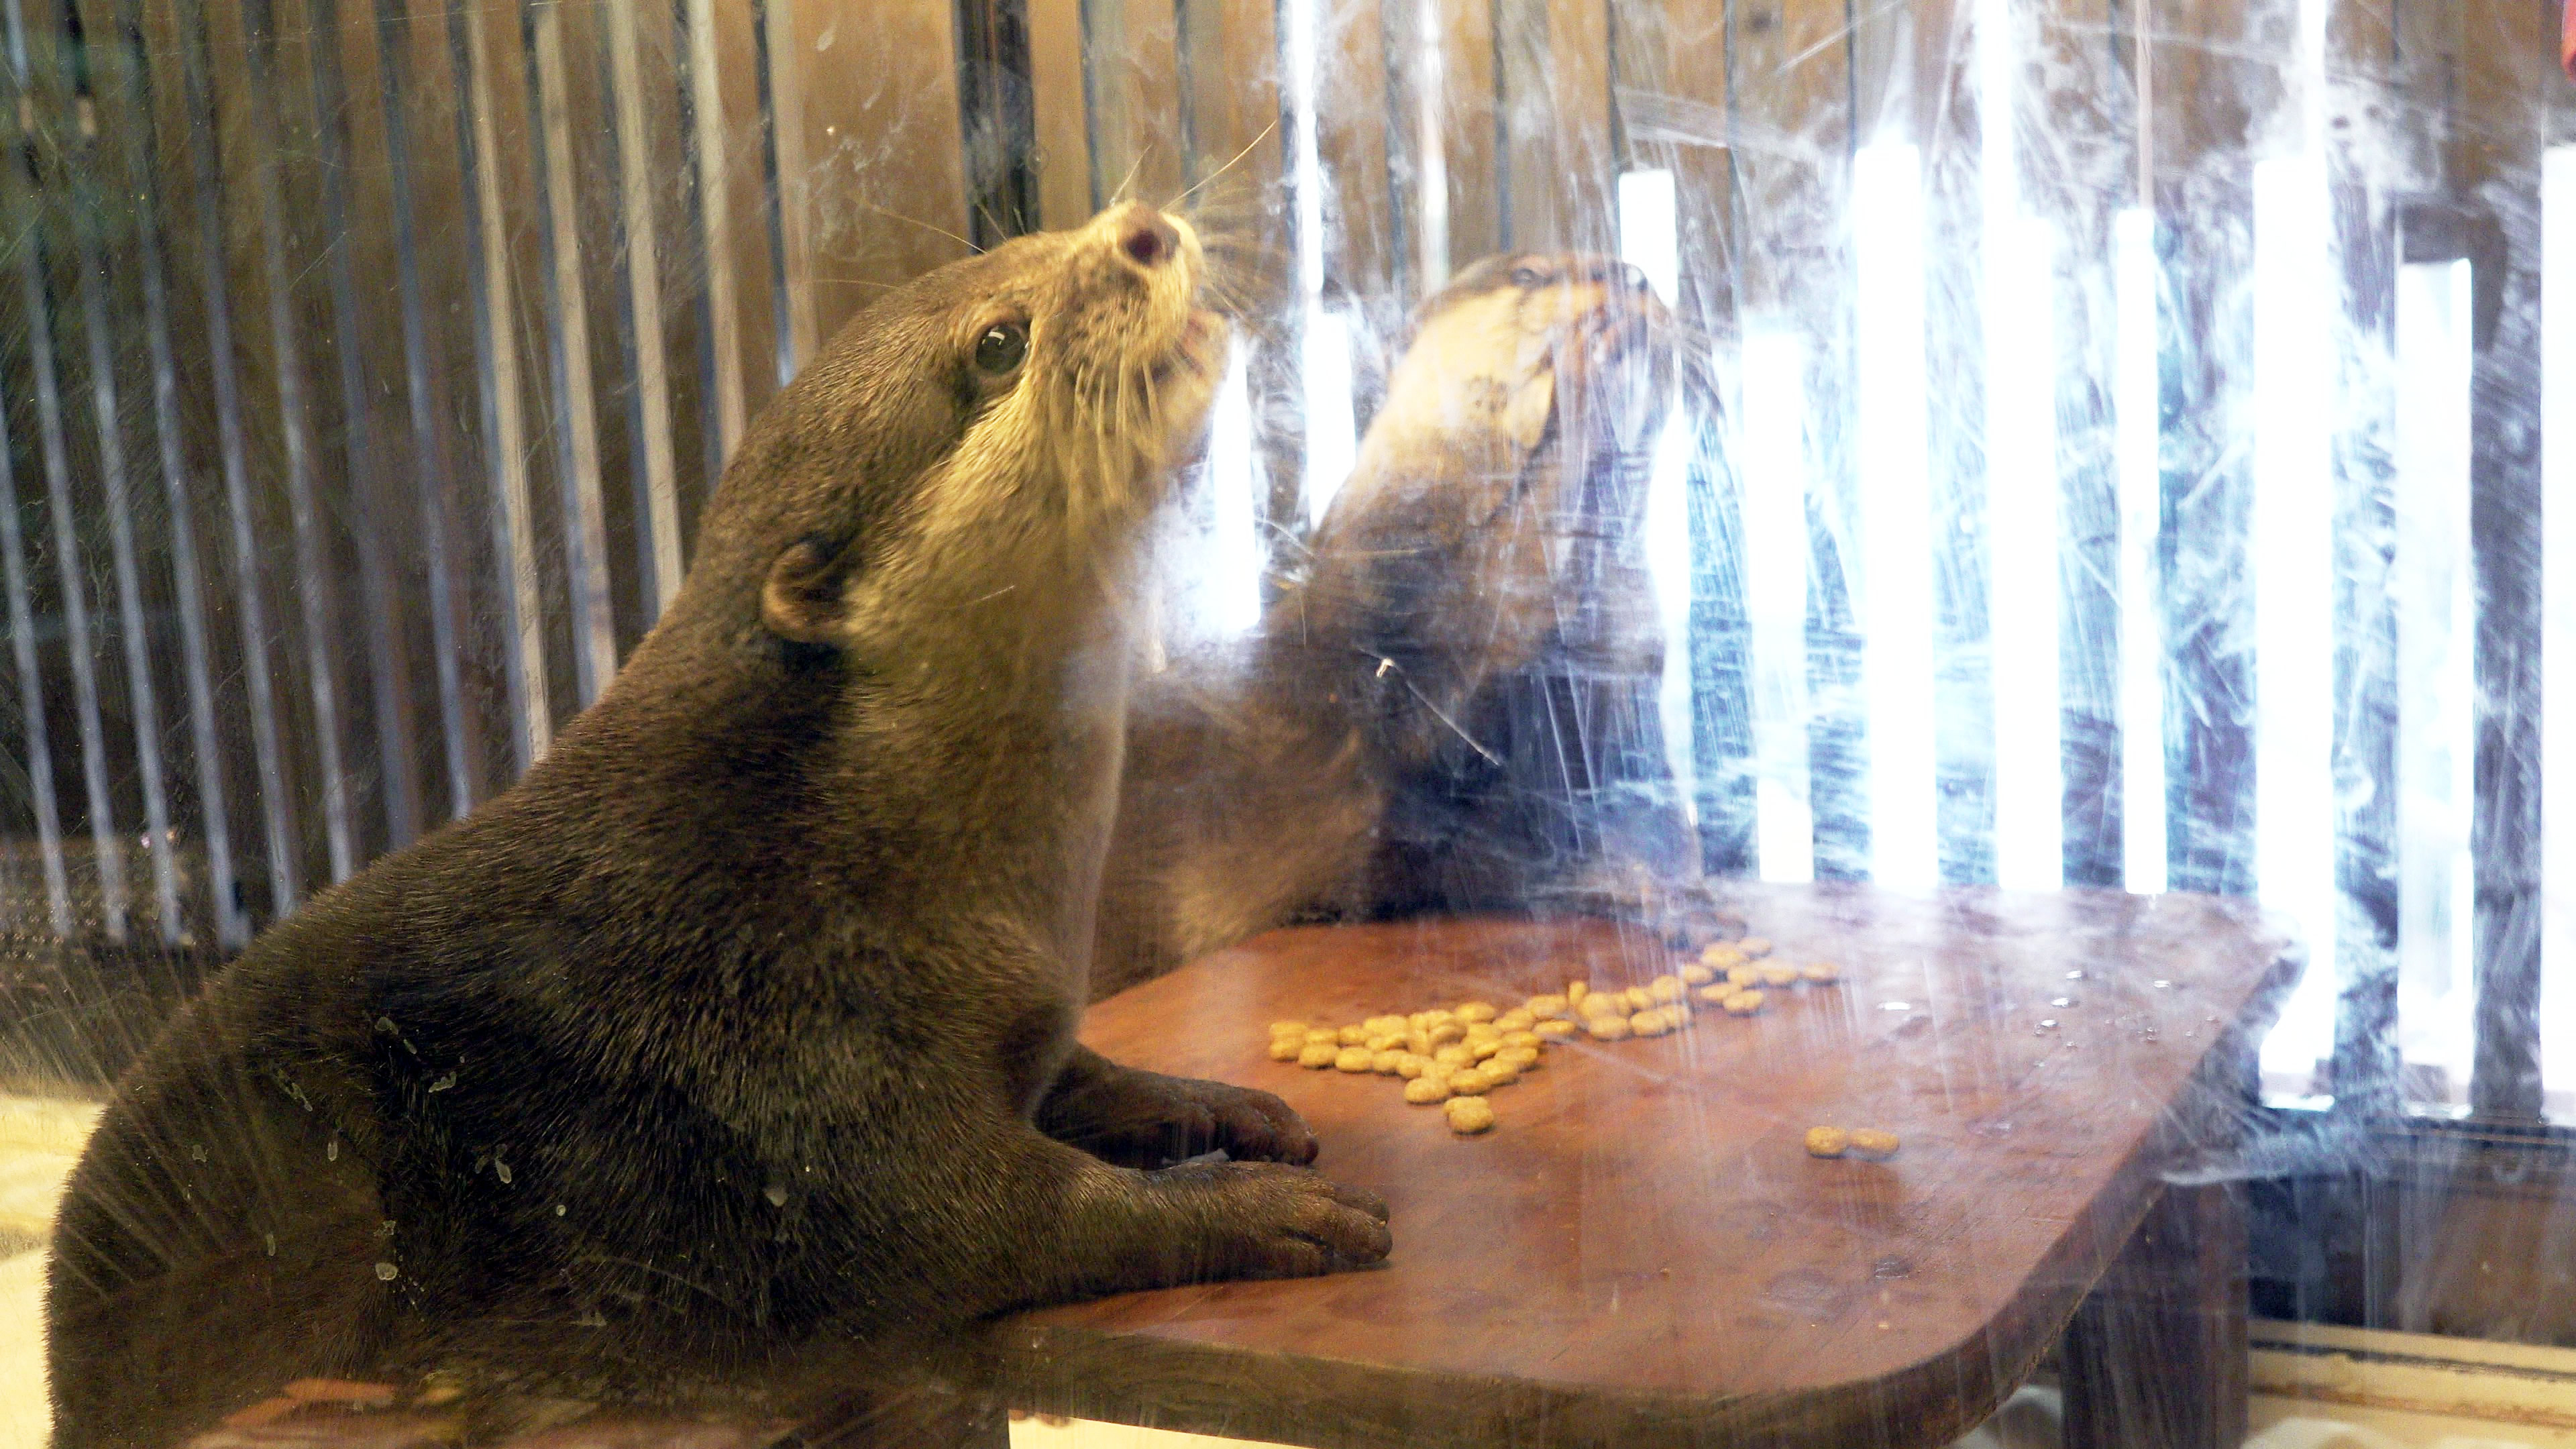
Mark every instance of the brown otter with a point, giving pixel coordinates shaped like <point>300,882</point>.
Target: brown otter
<point>745,1020</point>
<point>1453,707</point>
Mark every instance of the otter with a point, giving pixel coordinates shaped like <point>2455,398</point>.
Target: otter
<point>745,1021</point>
<point>1452,705</point>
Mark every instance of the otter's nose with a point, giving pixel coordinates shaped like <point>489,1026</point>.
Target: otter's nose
<point>1147,237</point>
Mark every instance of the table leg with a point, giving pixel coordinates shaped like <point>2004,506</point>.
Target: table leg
<point>2155,1356</point>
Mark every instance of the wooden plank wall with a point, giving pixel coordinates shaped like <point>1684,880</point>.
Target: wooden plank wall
<point>366,363</point>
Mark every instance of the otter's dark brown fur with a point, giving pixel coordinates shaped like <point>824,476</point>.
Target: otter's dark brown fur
<point>745,1020</point>
<point>1452,705</point>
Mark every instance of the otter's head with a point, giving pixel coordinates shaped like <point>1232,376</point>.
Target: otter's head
<point>1521,341</point>
<point>1009,418</point>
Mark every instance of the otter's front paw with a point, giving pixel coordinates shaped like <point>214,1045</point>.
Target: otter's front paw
<point>1286,1222</point>
<point>1146,1119</point>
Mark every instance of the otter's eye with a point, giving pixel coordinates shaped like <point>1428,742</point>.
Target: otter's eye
<point>999,351</point>
<point>1526,277</point>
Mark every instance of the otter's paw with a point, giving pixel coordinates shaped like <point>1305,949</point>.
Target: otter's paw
<point>1146,1119</point>
<point>1288,1222</point>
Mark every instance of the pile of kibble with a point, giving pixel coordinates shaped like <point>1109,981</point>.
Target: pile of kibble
<point>1454,1057</point>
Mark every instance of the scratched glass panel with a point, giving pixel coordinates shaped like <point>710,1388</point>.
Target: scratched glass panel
<point>1567,722</point>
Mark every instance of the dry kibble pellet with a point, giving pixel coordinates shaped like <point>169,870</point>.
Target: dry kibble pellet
<point>1389,1025</point>
<point>1639,999</point>
<point>1444,1032</point>
<point>1754,947</point>
<point>1427,1091</point>
<point>1721,956</point>
<point>1285,1048</point>
<point>1607,1028</point>
<point>1744,975</point>
<point>1472,1012</point>
<point>1779,975</point>
<point>1353,1035</point>
<point>1555,1029</point>
<point>1873,1141</point>
<point>1456,1054</point>
<point>1664,989</point>
<point>1715,995</point>
<point>1649,1023</point>
<point>1473,1082</point>
<point>1469,1115</point>
<point>1575,991</point>
<point>1548,1008</point>
<point>1523,1039</point>
<point>1521,1058</point>
<point>1385,1063</point>
<point>1354,1059</point>
<point>1484,1031</point>
<point>1485,1048</point>
<point>1518,1018</point>
<point>1317,1055</point>
<point>1744,1003</point>
<point>1323,1034</point>
<point>1827,1141</point>
<point>1382,1043</point>
<point>1822,973</point>
<point>1290,1028</point>
<point>1410,1065</point>
<point>1696,974</point>
<point>1500,1073</point>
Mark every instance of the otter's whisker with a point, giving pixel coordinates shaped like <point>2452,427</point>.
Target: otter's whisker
<point>926,226</point>
<point>1228,166</point>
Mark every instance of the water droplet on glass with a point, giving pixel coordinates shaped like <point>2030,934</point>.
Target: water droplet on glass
<point>2061,1001</point>
<point>331,1150</point>
<point>272,1243</point>
<point>776,1193</point>
<point>2048,1022</point>
<point>501,1170</point>
<point>1896,1006</point>
<point>559,1209</point>
<point>443,1083</point>
<point>2164,986</point>
<point>2075,975</point>
<point>387,1271</point>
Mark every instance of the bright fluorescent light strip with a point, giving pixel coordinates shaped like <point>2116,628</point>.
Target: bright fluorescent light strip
<point>1650,231</point>
<point>1324,348</point>
<point>2292,554</point>
<point>1896,515</point>
<point>1649,236</point>
<point>1232,583</point>
<point>2558,614</point>
<point>2138,404</point>
<point>2021,486</point>
<point>1431,150</point>
<point>1776,548</point>
<point>1303,156</point>
<point>1324,363</point>
<point>2022,559</point>
<point>2436,656</point>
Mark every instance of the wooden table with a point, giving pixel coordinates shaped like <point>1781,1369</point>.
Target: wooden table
<point>1643,1253</point>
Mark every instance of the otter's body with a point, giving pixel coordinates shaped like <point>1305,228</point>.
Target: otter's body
<point>745,1020</point>
<point>1453,706</point>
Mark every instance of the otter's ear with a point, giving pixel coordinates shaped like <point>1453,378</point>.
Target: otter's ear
<point>801,599</point>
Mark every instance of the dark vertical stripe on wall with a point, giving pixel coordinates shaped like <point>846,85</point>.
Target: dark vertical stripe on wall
<point>428,455</point>
<point>26,183</point>
<point>268,749</point>
<point>998,116</point>
<point>773,202</point>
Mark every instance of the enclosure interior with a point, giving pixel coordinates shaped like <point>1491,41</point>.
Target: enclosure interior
<point>2129,463</point>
